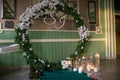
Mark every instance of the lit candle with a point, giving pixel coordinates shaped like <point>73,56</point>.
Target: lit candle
<point>97,60</point>
<point>74,69</point>
<point>95,69</point>
<point>69,62</point>
<point>88,68</point>
<point>80,69</point>
<point>83,57</point>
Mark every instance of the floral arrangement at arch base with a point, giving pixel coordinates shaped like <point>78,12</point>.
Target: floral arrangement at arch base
<point>39,65</point>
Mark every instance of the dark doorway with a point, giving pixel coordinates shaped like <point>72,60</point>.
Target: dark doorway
<point>117,25</point>
<point>117,5</point>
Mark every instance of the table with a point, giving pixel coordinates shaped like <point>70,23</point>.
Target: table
<point>64,75</point>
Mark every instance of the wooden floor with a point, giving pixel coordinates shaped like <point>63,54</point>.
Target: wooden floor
<point>110,70</point>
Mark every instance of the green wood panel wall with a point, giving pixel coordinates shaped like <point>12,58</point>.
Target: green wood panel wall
<point>54,51</point>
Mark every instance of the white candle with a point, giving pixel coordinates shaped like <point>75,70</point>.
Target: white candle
<point>92,67</point>
<point>0,26</point>
<point>69,62</point>
<point>97,55</point>
<point>80,69</point>
<point>95,70</point>
<point>88,68</point>
<point>83,57</point>
<point>74,69</point>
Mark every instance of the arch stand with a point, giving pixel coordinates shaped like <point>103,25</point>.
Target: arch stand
<point>37,64</point>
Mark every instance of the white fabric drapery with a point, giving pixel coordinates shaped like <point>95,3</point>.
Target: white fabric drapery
<point>10,48</point>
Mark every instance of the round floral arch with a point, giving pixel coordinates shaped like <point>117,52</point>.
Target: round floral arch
<point>27,18</point>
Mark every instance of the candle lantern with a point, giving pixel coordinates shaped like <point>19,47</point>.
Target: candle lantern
<point>97,60</point>
<point>80,69</point>
<point>70,63</point>
<point>77,62</point>
<point>91,61</point>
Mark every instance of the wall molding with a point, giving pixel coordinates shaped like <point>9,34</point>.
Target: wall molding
<point>53,40</point>
<point>47,30</point>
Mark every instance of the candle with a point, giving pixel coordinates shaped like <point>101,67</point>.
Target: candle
<point>95,70</point>
<point>97,60</point>
<point>83,57</point>
<point>80,69</point>
<point>88,68</point>
<point>74,69</point>
<point>0,26</point>
<point>97,55</point>
<point>69,62</point>
<point>92,67</point>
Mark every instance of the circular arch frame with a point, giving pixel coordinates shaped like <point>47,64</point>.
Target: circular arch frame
<point>27,18</point>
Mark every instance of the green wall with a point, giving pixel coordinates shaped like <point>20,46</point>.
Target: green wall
<point>54,51</point>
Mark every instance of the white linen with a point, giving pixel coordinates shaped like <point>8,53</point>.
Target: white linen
<point>10,48</point>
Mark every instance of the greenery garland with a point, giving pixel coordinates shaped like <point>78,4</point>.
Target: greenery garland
<point>27,18</point>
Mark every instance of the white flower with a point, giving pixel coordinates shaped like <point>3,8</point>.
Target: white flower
<point>47,11</point>
<point>84,28</point>
<point>62,4</point>
<point>36,71</point>
<point>23,37</point>
<point>27,57</point>
<point>35,8</point>
<point>86,38</point>
<point>64,64</point>
<point>82,47</point>
<point>51,5</point>
<point>37,16</point>
<point>30,49</point>
<point>24,54</point>
<point>78,12</point>
<point>35,61</point>
<point>39,5</point>
<point>22,44</point>
<point>63,8</point>
<point>19,33</point>
<point>48,65</point>
<point>22,16</point>
<point>76,21</point>
<point>81,18</point>
<point>75,52</point>
<point>41,61</point>
<point>44,3</point>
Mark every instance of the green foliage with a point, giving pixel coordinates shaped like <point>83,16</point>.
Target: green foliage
<point>38,65</point>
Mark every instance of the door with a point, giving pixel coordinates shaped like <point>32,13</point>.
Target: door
<point>117,25</point>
